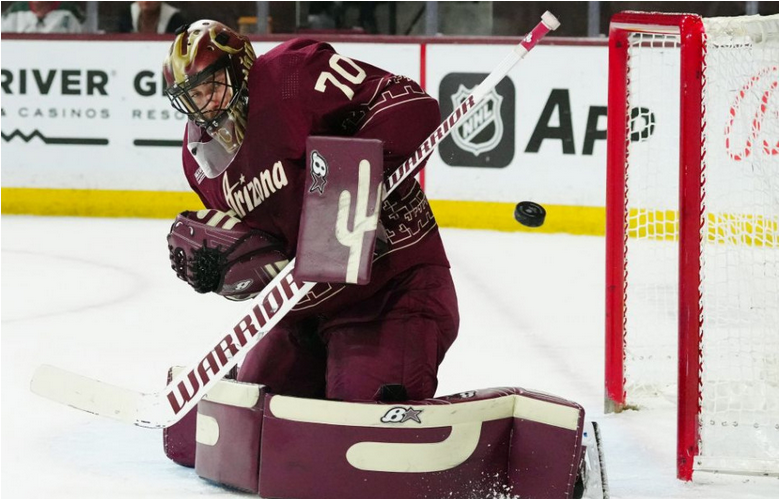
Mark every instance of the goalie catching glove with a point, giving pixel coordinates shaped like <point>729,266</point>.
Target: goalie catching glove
<point>214,251</point>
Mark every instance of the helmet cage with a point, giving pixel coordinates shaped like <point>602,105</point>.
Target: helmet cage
<point>232,88</point>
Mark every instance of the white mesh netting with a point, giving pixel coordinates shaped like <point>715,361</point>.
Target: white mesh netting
<point>652,197</point>
<point>740,243</point>
<point>740,249</point>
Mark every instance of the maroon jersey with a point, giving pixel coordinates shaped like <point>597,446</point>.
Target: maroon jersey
<point>303,88</point>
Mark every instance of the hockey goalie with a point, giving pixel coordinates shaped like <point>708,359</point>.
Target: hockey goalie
<point>289,152</point>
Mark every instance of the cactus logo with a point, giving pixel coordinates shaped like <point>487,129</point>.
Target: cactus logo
<point>485,138</point>
<point>364,220</point>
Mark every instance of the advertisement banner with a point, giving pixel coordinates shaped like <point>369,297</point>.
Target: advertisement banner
<point>92,114</point>
<point>541,135</point>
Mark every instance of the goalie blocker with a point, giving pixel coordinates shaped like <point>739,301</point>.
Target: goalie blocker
<point>495,442</point>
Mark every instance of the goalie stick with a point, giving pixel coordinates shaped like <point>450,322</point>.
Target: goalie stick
<point>164,408</point>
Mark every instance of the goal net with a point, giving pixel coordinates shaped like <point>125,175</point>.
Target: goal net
<point>692,232</point>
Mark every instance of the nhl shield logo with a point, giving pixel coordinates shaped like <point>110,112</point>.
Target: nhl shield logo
<point>486,138</point>
<point>482,129</point>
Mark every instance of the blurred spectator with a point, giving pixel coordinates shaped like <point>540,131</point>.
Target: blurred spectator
<point>324,15</point>
<point>150,17</point>
<point>43,17</point>
<point>367,20</point>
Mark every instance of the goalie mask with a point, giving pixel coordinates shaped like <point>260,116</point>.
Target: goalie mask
<point>206,74</point>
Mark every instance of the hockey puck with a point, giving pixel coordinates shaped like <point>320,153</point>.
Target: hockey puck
<point>530,214</point>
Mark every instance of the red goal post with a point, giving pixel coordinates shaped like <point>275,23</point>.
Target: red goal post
<point>679,239</point>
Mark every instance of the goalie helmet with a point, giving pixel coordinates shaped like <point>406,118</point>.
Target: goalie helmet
<point>206,74</point>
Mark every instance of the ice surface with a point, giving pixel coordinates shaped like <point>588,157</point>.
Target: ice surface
<point>97,296</point>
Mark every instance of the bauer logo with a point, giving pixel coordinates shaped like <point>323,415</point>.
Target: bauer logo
<point>485,138</point>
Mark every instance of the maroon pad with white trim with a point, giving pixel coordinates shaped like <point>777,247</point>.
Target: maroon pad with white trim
<point>228,440</point>
<point>501,442</point>
<point>340,211</point>
<point>179,439</point>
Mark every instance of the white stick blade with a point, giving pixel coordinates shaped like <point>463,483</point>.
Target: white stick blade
<point>93,396</point>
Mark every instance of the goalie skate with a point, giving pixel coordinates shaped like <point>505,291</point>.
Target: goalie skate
<point>592,482</point>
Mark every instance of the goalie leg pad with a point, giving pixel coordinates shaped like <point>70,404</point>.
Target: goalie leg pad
<point>499,442</point>
<point>228,435</point>
<point>179,440</point>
